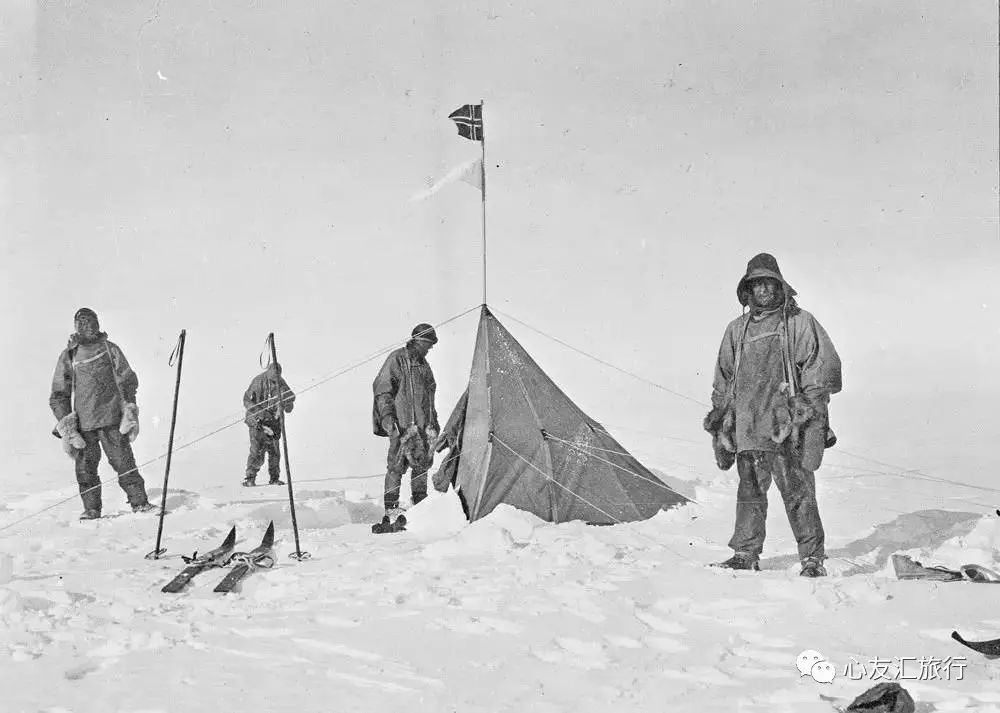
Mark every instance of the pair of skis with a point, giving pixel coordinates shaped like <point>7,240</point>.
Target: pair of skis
<point>260,557</point>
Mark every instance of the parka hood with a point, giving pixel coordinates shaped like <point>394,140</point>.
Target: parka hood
<point>762,265</point>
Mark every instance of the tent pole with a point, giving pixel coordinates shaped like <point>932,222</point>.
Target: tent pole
<point>483,177</point>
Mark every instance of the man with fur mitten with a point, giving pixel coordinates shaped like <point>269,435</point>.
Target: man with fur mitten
<point>775,372</point>
<point>93,400</point>
<point>263,400</point>
<point>403,411</point>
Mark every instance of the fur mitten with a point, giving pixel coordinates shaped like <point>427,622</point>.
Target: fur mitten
<point>789,417</point>
<point>721,423</point>
<point>130,422</point>
<point>69,431</point>
<point>441,480</point>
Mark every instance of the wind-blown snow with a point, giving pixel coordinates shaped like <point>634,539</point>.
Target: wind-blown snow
<point>509,613</point>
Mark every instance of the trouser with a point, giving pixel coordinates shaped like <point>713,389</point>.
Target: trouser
<point>798,490</point>
<point>119,452</point>
<point>407,451</point>
<point>263,446</point>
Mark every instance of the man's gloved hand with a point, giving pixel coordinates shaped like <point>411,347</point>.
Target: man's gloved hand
<point>713,419</point>
<point>432,434</point>
<point>72,441</point>
<point>288,407</point>
<point>390,426</point>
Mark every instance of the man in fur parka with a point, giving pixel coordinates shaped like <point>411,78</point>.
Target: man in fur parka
<point>93,400</point>
<point>264,400</point>
<point>775,372</point>
<point>403,410</point>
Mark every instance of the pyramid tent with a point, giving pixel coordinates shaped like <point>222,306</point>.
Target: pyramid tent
<point>520,440</point>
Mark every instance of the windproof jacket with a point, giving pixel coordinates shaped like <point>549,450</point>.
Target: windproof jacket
<point>92,379</point>
<point>761,346</point>
<point>261,398</point>
<point>404,389</point>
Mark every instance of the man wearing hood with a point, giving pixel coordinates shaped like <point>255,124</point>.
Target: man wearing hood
<point>264,400</point>
<point>776,370</point>
<point>404,412</point>
<point>93,400</point>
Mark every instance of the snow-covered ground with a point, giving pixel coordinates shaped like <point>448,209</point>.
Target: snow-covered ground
<point>507,614</point>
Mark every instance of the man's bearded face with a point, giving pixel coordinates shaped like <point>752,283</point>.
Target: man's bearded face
<point>767,292</point>
<point>87,326</point>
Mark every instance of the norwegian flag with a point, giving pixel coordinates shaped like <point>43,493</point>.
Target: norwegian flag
<point>469,120</point>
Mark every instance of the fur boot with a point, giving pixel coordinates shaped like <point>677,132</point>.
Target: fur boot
<point>69,432</point>
<point>130,422</point>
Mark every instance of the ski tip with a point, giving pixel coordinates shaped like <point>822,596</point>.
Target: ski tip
<point>269,535</point>
<point>230,540</point>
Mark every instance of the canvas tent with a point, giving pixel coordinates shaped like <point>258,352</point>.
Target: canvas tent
<point>520,440</point>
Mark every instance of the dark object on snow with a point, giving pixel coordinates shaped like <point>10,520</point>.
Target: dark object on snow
<point>908,568</point>
<point>260,557</point>
<point>570,469</point>
<point>218,557</point>
<point>978,573</point>
<point>883,698</point>
<point>179,353</point>
<point>989,648</point>
<point>812,567</point>
<point>740,560</point>
<point>386,526</point>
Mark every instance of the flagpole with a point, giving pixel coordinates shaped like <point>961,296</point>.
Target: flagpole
<point>482,119</point>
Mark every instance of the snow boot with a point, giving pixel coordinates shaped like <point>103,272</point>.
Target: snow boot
<point>145,507</point>
<point>382,527</point>
<point>249,481</point>
<point>399,525</point>
<point>276,481</point>
<point>741,560</point>
<point>812,567</point>
<point>90,515</point>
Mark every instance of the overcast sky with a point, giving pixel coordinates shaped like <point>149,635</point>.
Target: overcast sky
<point>239,170</point>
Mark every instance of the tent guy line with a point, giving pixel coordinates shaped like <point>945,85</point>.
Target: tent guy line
<point>581,448</point>
<point>531,465</point>
<point>905,473</point>
<point>606,363</point>
<point>225,426</point>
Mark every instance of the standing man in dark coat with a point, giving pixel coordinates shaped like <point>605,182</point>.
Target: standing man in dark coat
<point>93,400</point>
<point>403,411</point>
<point>263,400</point>
<point>776,370</point>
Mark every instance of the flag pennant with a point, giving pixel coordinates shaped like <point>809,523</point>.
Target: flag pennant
<point>470,172</point>
<point>469,120</point>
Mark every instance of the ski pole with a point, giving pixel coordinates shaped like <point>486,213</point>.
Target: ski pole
<point>298,554</point>
<point>179,353</point>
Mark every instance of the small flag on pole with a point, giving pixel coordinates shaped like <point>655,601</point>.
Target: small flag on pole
<point>469,120</point>
<point>470,172</point>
